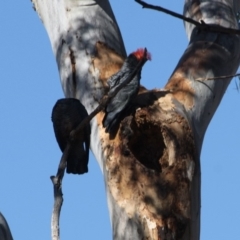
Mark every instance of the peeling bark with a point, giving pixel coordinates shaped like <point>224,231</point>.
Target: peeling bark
<point>151,166</point>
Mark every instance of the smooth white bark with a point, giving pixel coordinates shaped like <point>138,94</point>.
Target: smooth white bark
<point>211,55</point>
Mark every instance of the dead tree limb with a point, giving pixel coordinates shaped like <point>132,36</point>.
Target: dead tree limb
<point>200,24</point>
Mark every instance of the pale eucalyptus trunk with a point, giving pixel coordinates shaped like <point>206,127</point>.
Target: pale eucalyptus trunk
<point>152,167</point>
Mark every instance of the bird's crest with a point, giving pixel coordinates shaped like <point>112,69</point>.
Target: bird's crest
<point>140,53</point>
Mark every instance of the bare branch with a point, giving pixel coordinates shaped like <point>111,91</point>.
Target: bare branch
<point>58,199</point>
<point>220,77</point>
<point>201,24</point>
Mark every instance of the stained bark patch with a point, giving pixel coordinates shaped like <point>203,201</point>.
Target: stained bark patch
<point>181,89</point>
<point>107,61</point>
<point>148,165</point>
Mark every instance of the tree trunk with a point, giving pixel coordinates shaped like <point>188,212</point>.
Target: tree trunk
<point>152,166</point>
<point>5,233</point>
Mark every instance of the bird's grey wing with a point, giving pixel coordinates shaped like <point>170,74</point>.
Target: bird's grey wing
<point>114,80</point>
<point>122,98</point>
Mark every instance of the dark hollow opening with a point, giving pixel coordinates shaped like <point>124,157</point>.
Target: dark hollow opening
<point>146,144</point>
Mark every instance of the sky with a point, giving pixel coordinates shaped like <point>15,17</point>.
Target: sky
<point>29,154</point>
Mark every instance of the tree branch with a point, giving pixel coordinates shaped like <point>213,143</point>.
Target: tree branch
<point>219,77</point>
<point>202,25</point>
<point>58,199</point>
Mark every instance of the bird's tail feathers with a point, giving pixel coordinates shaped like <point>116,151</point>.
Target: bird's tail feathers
<point>77,165</point>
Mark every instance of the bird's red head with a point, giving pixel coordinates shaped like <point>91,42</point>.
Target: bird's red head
<point>139,54</point>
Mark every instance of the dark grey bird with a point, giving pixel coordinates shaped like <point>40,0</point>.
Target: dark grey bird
<point>67,114</point>
<point>123,99</point>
